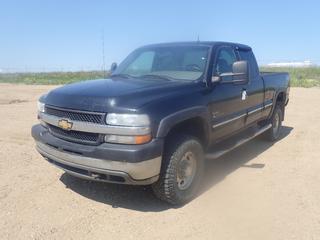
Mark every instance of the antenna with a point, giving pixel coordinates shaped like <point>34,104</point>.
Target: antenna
<point>103,56</point>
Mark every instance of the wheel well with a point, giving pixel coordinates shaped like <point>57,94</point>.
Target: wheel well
<point>281,99</point>
<point>195,127</point>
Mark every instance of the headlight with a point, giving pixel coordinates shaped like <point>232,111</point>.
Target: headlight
<point>132,120</point>
<point>41,106</point>
<point>128,120</point>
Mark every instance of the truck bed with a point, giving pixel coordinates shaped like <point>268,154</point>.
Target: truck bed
<point>276,81</point>
<point>263,74</point>
<point>280,79</point>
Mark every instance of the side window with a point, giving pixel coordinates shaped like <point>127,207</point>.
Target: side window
<point>252,63</point>
<point>225,60</point>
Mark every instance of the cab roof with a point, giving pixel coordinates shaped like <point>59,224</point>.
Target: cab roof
<point>200,43</point>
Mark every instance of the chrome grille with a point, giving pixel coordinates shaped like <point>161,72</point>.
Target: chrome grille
<point>75,115</point>
<point>75,136</point>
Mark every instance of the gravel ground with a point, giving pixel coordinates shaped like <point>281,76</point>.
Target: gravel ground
<point>258,191</point>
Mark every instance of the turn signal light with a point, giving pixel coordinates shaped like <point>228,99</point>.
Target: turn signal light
<point>140,139</point>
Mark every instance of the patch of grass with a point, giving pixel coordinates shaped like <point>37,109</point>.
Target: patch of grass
<point>300,77</point>
<point>51,78</point>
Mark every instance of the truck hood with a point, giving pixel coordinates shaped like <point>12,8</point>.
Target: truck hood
<point>105,95</point>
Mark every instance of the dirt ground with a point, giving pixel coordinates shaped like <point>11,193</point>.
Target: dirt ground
<point>259,191</point>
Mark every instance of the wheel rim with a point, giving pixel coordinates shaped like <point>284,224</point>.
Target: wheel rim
<point>276,124</point>
<point>186,170</point>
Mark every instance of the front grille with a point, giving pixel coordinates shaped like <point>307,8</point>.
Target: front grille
<point>75,136</point>
<point>75,115</point>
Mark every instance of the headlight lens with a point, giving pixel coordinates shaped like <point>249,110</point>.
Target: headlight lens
<point>132,120</point>
<point>41,106</point>
<point>128,120</point>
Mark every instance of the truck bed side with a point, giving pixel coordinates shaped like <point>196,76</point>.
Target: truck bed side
<point>277,85</point>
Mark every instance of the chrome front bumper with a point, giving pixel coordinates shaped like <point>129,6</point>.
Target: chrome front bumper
<point>135,173</point>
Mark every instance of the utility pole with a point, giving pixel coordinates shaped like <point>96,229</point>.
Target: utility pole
<point>103,56</point>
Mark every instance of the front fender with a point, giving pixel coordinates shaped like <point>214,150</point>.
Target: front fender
<point>171,120</point>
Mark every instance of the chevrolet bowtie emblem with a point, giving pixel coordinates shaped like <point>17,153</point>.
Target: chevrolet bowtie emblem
<point>65,124</point>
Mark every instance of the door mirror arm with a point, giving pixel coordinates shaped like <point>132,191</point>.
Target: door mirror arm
<point>223,78</point>
<point>215,79</point>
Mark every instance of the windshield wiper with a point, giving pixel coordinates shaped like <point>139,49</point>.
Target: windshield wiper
<point>122,75</point>
<point>163,77</point>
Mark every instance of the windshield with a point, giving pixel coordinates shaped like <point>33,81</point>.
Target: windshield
<point>171,63</point>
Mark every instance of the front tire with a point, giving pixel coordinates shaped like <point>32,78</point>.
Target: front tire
<point>181,170</point>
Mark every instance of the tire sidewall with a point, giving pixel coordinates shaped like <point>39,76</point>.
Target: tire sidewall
<point>278,112</point>
<point>195,147</point>
<point>166,188</point>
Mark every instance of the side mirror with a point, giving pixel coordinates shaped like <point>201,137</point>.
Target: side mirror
<point>240,71</point>
<point>113,67</point>
<point>239,74</point>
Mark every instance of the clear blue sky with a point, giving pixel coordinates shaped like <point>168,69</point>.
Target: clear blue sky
<point>67,34</point>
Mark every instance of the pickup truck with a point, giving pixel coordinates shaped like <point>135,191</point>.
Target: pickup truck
<point>160,115</point>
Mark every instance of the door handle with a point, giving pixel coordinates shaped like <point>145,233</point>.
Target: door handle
<point>244,94</point>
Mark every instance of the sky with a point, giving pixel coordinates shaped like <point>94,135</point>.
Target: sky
<point>67,35</point>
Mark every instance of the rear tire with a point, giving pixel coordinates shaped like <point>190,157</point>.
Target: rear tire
<point>181,171</point>
<point>273,134</point>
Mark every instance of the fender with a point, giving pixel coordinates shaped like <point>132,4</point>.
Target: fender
<point>275,101</point>
<point>171,120</point>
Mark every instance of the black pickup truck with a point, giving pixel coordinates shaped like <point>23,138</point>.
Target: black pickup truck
<point>162,112</point>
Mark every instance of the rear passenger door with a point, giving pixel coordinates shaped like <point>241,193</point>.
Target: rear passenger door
<point>254,89</point>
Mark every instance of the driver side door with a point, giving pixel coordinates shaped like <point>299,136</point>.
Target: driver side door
<point>227,103</point>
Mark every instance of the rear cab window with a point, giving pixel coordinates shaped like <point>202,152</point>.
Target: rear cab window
<point>247,55</point>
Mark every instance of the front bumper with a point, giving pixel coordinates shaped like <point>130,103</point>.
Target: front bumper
<point>125,164</point>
